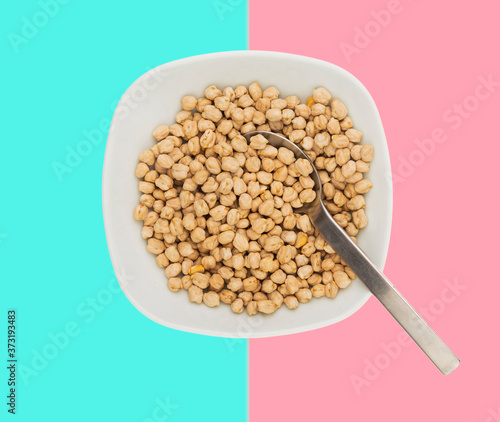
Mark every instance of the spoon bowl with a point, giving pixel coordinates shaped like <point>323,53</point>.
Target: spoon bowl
<point>279,141</point>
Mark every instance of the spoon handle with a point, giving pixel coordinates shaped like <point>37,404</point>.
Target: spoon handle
<point>444,359</point>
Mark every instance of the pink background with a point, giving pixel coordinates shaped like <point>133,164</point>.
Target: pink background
<point>445,227</point>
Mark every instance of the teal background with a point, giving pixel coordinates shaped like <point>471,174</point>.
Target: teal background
<point>117,365</point>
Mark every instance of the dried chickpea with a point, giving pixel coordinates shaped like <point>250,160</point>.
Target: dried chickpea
<point>266,306</point>
<point>225,212</point>
<point>291,302</point>
<point>321,96</point>
<point>237,306</point>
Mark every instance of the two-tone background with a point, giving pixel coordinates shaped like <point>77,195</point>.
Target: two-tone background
<point>85,353</point>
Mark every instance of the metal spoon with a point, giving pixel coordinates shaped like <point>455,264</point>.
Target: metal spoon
<point>444,359</point>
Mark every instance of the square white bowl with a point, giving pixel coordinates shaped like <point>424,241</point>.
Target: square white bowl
<point>154,99</point>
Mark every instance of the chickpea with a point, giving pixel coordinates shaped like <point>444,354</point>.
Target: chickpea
<point>273,115</point>
<point>173,270</point>
<point>140,212</point>
<point>271,93</point>
<point>212,92</point>
<point>195,294</point>
<point>291,302</point>
<point>237,306</point>
<point>339,110</point>
<point>263,104</point>
<point>225,212</point>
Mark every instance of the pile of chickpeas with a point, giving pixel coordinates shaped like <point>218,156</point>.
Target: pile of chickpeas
<point>222,213</point>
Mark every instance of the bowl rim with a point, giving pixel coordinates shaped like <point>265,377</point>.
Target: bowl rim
<point>105,187</point>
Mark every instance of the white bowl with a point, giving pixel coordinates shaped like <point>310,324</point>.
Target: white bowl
<point>154,99</point>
